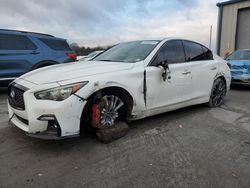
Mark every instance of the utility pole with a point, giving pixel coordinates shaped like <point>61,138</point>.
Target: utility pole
<point>210,39</point>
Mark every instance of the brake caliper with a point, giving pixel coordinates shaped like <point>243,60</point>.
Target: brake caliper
<point>96,116</point>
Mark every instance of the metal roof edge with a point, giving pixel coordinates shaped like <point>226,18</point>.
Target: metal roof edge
<point>229,2</point>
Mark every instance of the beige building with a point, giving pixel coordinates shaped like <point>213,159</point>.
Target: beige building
<point>233,26</point>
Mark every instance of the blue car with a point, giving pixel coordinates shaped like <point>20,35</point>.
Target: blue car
<point>21,52</point>
<point>240,66</point>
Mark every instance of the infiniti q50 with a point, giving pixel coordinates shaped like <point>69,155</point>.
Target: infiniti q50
<point>130,81</point>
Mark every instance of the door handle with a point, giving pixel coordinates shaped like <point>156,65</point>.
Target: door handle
<point>213,68</point>
<point>186,72</point>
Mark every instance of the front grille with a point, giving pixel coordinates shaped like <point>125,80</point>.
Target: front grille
<point>15,97</point>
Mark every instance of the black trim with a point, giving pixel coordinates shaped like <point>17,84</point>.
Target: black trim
<point>229,2</point>
<point>145,87</point>
<point>54,121</point>
<point>50,137</point>
<point>25,121</point>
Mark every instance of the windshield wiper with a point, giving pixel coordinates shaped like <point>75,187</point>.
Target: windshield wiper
<point>108,60</point>
<point>105,60</point>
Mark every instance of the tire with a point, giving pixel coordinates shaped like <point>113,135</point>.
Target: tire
<point>111,115</point>
<point>218,93</point>
<point>112,108</point>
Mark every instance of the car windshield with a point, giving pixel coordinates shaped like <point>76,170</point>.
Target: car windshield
<point>129,52</point>
<point>240,55</point>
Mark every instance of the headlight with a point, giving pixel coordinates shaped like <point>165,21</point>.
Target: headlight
<point>59,93</point>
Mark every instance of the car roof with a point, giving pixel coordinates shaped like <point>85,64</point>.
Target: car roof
<point>28,33</point>
<point>164,39</point>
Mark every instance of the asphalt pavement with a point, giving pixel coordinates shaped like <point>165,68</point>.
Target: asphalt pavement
<point>192,147</point>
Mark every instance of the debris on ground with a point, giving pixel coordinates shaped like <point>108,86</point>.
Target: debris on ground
<point>108,135</point>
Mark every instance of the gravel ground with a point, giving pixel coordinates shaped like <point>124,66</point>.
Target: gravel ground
<point>192,147</point>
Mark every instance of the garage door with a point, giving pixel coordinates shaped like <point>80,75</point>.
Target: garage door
<point>243,29</point>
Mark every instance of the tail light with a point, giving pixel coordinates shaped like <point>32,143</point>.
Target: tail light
<point>72,56</point>
<point>229,65</point>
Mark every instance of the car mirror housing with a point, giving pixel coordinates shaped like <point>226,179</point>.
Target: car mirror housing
<point>166,72</point>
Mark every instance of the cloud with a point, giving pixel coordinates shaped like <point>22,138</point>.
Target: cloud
<point>99,22</point>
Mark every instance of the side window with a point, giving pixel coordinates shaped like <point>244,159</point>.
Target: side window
<point>208,55</point>
<point>194,51</point>
<point>15,42</point>
<point>172,52</point>
<point>56,44</point>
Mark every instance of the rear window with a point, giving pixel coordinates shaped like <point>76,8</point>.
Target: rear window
<point>15,42</point>
<point>196,52</point>
<point>60,45</point>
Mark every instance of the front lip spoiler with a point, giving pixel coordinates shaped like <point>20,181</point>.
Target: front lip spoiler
<point>46,136</point>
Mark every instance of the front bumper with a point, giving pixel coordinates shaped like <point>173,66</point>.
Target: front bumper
<point>241,80</point>
<point>36,119</point>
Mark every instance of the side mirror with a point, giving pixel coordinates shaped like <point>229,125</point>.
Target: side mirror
<point>166,73</point>
<point>164,64</point>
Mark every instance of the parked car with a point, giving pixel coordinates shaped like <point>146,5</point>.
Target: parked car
<point>240,66</point>
<point>80,57</point>
<point>22,51</point>
<point>91,56</point>
<point>130,81</point>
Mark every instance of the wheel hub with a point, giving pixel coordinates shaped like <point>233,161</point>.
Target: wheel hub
<point>219,93</point>
<point>109,110</point>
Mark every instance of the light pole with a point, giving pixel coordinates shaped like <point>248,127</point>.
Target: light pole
<point>210,39</point>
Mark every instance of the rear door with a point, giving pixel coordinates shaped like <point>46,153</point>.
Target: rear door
<point>203,68</point>
<point>17,55</point>
<point>162,94</point>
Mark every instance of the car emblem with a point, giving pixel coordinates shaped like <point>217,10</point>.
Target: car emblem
<point>12,94</point>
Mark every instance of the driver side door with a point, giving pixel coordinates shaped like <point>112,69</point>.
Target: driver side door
<point>163,95</point>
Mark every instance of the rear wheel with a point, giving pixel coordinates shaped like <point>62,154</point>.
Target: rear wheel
<point>218,93</point>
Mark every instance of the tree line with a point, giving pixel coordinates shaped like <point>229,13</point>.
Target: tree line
<point>82,50</point>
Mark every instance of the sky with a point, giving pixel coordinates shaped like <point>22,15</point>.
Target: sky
<point>106,22</point>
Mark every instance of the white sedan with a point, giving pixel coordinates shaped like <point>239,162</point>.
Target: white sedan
<point>130,81</point>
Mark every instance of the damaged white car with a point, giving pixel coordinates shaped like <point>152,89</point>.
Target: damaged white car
<point>130,81</point>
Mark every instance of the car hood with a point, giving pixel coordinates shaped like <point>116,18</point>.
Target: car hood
<point>240,65</point>
<point>240,62</point>
<point>240,69</point>
<point>62,72</point>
